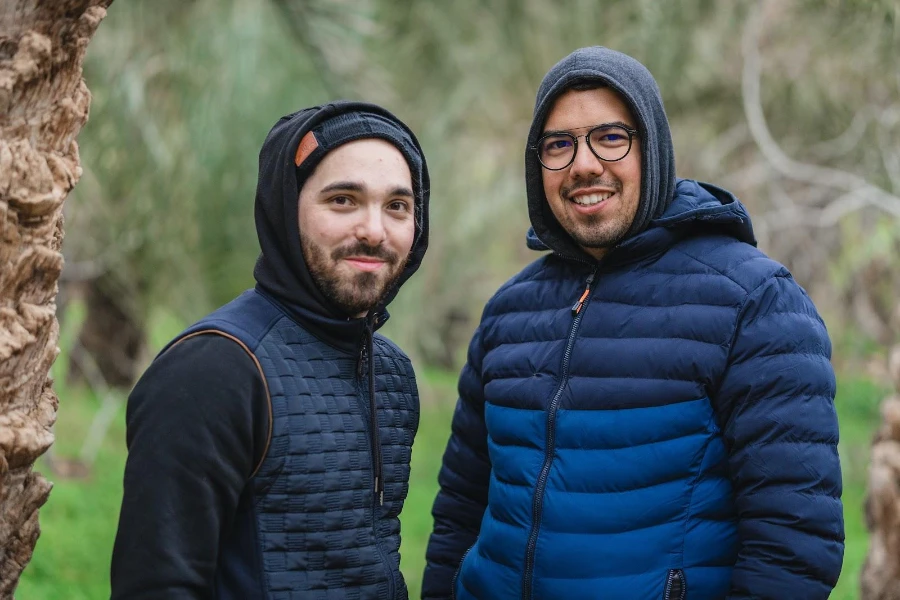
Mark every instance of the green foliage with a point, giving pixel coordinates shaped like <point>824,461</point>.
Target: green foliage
<point>185,92</point>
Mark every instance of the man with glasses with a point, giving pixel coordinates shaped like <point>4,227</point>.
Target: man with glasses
<point>647,411</point>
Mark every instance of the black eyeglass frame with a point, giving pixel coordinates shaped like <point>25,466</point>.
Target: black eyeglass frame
<point>587,138</point>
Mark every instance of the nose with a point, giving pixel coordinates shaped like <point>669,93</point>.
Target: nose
<point>371,228</point>
<point>585,165</point>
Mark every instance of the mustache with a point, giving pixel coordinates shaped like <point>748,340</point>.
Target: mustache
<point>583,185</point>
<point>363,249</point>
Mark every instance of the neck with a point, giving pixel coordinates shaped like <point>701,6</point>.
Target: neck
<point>597,253</point>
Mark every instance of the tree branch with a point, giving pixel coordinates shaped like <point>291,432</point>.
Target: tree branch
<point>863,192</point>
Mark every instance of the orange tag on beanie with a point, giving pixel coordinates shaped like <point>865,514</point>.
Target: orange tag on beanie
<point>306,147</point>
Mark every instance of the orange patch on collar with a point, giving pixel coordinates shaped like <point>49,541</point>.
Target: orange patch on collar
<point>306,147</point>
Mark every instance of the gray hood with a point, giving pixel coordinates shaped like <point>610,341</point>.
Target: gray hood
<point>636,85</point>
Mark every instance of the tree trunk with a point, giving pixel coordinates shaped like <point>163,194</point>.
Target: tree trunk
<point>881,572</point>
<point>112,336</point>
<point>43,105</point>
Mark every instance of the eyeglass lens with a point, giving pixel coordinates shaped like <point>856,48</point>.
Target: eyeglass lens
<point>610,143</point>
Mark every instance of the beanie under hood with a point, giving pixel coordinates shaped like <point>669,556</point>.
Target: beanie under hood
<point>281,271</point>
<point>637,87</point>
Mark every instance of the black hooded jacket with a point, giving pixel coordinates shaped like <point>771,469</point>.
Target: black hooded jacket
<point>199,421</point>
<point>281,270</point>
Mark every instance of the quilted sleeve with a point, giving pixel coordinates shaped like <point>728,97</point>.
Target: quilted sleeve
<point>776,408</point>
<point>463,478</point>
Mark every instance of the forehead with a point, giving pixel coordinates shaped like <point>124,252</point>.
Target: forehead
<point>375,162</point>
<point>580,108</point>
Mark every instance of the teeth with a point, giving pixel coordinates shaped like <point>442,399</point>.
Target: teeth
<point>591,199</point>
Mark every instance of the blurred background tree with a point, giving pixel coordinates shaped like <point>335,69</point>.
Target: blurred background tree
<point>793,105</point>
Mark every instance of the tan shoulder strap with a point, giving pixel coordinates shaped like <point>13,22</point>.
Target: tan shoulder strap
<point>261,374</point>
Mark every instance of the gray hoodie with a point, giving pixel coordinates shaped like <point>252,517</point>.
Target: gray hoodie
<point>636,85</point>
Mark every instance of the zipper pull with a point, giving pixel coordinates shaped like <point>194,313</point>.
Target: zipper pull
<point>576,308</point>
<point>379,491</point>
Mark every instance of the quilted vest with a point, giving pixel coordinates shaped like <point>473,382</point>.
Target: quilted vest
<point>309,524</point>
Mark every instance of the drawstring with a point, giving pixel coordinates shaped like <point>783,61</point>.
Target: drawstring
<point>377,459</point>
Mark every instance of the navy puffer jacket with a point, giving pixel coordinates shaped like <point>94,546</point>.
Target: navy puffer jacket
<point>675,437</point>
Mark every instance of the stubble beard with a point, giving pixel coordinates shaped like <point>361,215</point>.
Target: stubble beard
<point>358,292</point>
<point>595,231</point>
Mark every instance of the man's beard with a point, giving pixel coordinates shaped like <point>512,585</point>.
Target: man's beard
<point>595,231</point>
<point>358,292</point>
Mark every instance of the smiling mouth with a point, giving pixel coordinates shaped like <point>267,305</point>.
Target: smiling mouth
<point>591,199</point>
<point>365,264</point>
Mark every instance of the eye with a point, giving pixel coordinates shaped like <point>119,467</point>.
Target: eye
<point>610,136</point>
<point>556,144</point>
<point>342,200</point>
<point>398,206</point>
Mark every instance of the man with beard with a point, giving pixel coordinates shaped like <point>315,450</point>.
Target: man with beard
<point>648,410</point>
<point>269,443</point>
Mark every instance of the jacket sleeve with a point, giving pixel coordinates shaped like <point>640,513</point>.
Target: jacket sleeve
<point>463,478</point>
<point>196,427</point>
<point>776,408</point>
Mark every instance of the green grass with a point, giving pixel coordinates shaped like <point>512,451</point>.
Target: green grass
<point>71,561</point>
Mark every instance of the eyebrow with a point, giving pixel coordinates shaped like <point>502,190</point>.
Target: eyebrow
<point>354,186</point>
<point>610,124</point>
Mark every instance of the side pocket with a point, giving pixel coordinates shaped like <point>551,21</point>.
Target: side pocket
<point>456,573</point>
<point>676,585</point>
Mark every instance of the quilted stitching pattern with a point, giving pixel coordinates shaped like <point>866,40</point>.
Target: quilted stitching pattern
<point>698,388</point>
<point>321,533</point>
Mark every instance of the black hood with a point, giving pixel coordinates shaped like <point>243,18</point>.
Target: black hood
<point>281,272</point>
<point>637,87</point>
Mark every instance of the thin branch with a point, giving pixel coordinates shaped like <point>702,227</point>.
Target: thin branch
<point>889,155</point>
<point>846,141</point>
<point>92,268</point>
<point>829,216</point>
<point>299,16</point>
<point>724,144</point>
<point>82,270</point>
<point>109,404</point>
<point>792,169</point>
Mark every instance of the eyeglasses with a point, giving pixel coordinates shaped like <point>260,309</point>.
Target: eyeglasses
<point>609,143</point>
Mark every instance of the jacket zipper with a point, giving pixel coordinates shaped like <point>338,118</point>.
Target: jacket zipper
<point>374,438</point>
<point>537,503</point>
<point>675,591</point>
<point>456,573</point>
<point>372,431</point>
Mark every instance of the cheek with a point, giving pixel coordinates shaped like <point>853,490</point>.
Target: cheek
<point>631,173</point>
<point>634,179</point>
<point>404,235</point>
<point>552,182</point>
<point>322,229</point>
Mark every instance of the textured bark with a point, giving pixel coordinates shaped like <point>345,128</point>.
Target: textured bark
<point>881,572</point>
<point>43,105</point>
